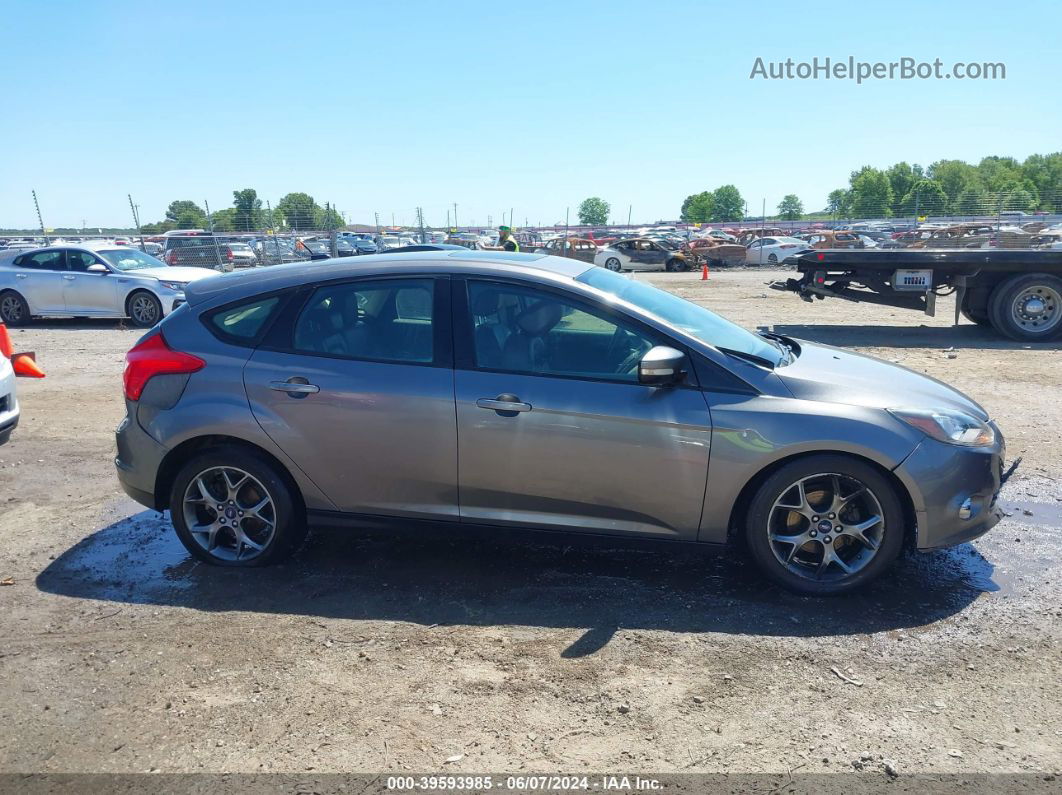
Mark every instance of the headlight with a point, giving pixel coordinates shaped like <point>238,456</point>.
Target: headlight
<point>178,286</point>
<point>947,425</point>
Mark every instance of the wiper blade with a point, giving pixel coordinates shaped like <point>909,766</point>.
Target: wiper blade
<point>749,357</point>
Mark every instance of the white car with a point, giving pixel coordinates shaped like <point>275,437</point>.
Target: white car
<point>8,402</point>
<point>641,254</point>
<point>772,250</point>
<point>102,281</point>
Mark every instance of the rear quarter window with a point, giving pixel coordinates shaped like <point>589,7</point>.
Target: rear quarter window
<point>244,322</point>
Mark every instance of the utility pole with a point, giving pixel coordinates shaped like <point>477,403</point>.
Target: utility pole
<point>490,220</point>
<point>630,208</point>
<point>448,226</point>
<point>455,216</point>
<point>512,222</point>
<point>39,220</point>
<point>136,220</point>
<point>420,223</point>
<point>377,224</point>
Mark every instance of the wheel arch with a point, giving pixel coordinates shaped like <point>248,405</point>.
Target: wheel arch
<point>179,455</point>
<point>741,505</point>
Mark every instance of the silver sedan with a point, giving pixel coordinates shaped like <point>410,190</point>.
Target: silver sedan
<point>104,281</point>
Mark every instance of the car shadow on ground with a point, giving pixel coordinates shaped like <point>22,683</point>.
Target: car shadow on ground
<point>942,337</point>
<point>445,580</point>
<point>81,324</point>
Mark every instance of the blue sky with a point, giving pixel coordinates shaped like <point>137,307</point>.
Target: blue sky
<point>533,106</point>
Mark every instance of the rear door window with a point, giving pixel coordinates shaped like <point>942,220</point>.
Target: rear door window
<point>44,261</point>
<point>386,320</point>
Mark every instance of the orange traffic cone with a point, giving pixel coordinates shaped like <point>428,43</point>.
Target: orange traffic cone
<point>25,365</point>
<point>5,342</point>
<point>704,272</point>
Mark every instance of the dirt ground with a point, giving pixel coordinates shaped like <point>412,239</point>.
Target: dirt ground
<point>118,653</point>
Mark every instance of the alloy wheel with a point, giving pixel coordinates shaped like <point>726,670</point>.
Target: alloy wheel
<point>229,513</point>
<point>145,310</point>
<point>826,527</point>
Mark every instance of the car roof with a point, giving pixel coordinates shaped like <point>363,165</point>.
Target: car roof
<point>245,283</point>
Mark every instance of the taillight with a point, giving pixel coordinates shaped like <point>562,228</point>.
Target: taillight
<point>228,254</point>
<point>154,357</point>
<point>788,245</point>
<point>171,257</point>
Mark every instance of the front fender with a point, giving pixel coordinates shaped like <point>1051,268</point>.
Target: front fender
<point>752,433</point>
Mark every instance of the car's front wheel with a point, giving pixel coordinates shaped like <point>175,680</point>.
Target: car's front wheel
<point>144,309</point>
<point>231,507</point>
<point>824,525</point>
<point>613,264</point>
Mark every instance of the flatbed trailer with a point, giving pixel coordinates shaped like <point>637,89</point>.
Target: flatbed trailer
<point>1017,292</point>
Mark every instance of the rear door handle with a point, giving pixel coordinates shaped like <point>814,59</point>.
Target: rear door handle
<point>69,278</point>
<point>295,387</point>
<point>21,275</point>
<point>503,403</point>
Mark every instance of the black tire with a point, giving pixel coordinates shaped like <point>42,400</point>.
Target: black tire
<point>677,265</point>
<point>1003,305</point>
<point>288,513</point>
<point>976,316</point>
<point>782,481</point>
<point>143,308</point>
<point>772,259</point>
<point>14,311</point>
<point>613,264</point>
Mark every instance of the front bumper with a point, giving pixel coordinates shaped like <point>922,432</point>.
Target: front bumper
<point>954,489</point>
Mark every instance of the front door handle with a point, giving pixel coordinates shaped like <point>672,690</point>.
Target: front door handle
<point>297,387</point>
<point>21,275</point>
<point>504,403</point>
<point>68,277</point>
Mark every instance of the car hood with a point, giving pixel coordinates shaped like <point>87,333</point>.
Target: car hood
<point>176,273</point>
<point>833,375</point>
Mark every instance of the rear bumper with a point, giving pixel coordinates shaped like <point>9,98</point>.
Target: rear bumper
<point>955,491</point>
<point>137,462</point>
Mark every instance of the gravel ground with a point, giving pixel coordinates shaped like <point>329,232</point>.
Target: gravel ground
<point>121,654</point>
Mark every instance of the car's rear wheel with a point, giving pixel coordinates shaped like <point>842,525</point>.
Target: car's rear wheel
<point>677,265</point>
<point>824,525</point>
<point>772,259</point>
<point>14,311</point>
<point>1028,307</point>
<point>231,507</point>
<point>613,264</point>
<point>144,309</point>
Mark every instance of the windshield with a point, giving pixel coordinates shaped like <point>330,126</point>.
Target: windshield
<point>682,314</point>
<point>130,259</point>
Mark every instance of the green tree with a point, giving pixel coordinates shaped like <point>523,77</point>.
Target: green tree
<point>902,177</point>
<point>790,208</point>
<point>926,197</point>
<point>727,204</point>
<point>224,220</point>
<point>954,177</point>
<point>697,208</point>
<point>871,193</point>
<point>185,214</point>
<point>839,203</point>
<point>298,210</point>
<point>1045,172</point>
<point>328,218</point>
<point>1018,199</point>
<point>972,201</point>
<point>594,211</point>
<point>248,210</point>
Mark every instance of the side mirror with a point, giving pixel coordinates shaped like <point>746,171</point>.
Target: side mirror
<point>96,267</point>
<point>662,366</point>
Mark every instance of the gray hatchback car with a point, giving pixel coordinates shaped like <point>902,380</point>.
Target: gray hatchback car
<point>521,390</point>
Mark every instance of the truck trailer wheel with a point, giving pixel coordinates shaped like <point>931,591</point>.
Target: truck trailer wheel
<point>976,313</point>
<point>1028,307</point>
